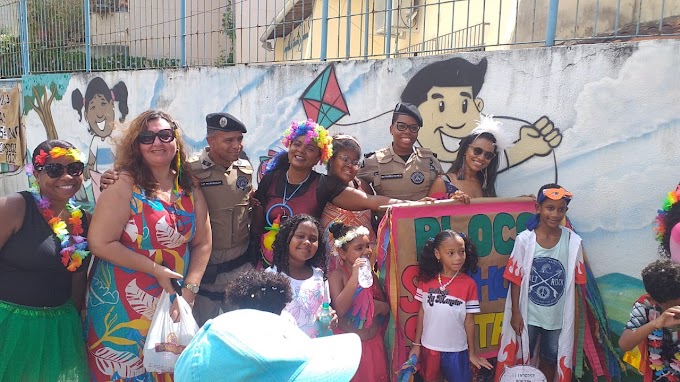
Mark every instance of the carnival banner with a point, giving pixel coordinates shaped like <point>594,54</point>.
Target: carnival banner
<point>492,225</point>
<point>11,149</point>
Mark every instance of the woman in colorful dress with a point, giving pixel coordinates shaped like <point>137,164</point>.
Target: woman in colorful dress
<point>43,259</point>
<point>148,228</point>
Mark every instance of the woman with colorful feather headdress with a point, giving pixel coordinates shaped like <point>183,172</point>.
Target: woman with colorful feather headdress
<point>149,227</point>
<point>43,263</point>
<point>668,229</point>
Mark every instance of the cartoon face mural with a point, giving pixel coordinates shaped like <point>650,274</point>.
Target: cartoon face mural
<point>100,114</point>
<point>447,95</point>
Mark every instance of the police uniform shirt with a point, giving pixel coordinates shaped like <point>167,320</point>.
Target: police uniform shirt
<point>226,194</point>
<point>394,178</point>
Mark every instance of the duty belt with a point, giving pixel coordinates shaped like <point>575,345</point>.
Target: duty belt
<point>213,270</point>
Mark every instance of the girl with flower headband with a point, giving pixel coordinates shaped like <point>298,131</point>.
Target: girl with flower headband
<point>544,267</point>
<point>291,186</point>
<point>361,311</point>
<point>448,302</point>
<point>473,173</point>
<point>667,227</point>
<point>149,227</point>
<point>43,261</point>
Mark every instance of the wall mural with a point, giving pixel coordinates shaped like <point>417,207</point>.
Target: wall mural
<point>602,117</point>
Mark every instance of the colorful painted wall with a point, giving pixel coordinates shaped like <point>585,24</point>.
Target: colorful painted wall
<point>603,120</point>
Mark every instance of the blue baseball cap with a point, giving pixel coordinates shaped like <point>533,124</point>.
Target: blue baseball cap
<point>252,345</point>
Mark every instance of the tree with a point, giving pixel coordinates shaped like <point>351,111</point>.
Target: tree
<point>39,92</point>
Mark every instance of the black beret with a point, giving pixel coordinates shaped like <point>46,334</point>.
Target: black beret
<point>224,122</point>
<point>410,110</point>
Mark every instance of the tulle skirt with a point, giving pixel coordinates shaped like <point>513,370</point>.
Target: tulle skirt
<point>41,344</point>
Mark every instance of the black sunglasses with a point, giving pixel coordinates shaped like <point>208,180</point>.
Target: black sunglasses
<point>401,126</point>
<point>56,170</point>
<point>148,137</point>
<point>488,155</point>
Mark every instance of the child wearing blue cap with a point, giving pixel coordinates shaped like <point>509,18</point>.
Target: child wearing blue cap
<point>545,265</point>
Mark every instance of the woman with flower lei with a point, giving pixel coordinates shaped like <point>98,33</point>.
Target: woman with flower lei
<point>668,229</point>
<point>149,227</point>
<point>43,263</point>
<point>290,185</point>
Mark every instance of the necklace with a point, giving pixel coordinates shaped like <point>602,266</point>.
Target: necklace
<point>72,244</point>
<point>285,190</point>
<point>442,287</point>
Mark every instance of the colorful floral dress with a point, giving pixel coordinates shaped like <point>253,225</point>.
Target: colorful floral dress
<point>121,302</point>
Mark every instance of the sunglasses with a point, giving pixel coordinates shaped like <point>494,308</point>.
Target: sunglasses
<point>348,162</point>
<point>56,170</point>
<point>148,137</point>
<point>401,126</point>
<point>488,155</point>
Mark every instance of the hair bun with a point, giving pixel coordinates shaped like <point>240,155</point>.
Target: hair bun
<point>336,227</point>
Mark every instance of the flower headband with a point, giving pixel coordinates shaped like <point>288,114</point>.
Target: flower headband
<point>314,132</point>
<point>671,199</point>
<point>554,194</point>
<point>351,235</point>
<point>57,152</point>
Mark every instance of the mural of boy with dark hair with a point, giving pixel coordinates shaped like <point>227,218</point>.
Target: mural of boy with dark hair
<point>654,323</point>
<point>100,115</point>
<point>447,95</point>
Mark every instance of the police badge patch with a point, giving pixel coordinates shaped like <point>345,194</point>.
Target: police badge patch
<point>417,177</point>
<point>223,122</point>
<point>242,183</point>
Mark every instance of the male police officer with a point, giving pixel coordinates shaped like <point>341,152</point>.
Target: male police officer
<point>226,181</point>
<point>402,171</point>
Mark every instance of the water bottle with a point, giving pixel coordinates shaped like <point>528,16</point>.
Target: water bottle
<point>324,321</point>
<point>365,275</point>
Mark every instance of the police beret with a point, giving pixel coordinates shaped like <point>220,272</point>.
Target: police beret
<point>224,122</point>
<point>410,110</point>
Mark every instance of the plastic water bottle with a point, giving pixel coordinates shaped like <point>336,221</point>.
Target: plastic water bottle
<point>365,275</point>
<point>324,321</point>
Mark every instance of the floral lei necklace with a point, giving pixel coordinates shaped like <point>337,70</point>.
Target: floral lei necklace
<point>664,369</point>
<point>73,245</point>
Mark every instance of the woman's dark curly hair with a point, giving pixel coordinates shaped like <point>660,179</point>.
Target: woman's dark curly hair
<point>491,171</point>
<point>266,291</point>
<point>662,280</point>
<point>282,242</point>
<point>430,267</point>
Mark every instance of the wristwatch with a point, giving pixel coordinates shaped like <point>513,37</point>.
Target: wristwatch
<point>193,288</point>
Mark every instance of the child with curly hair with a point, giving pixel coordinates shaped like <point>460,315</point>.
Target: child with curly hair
<point>299,252</point>
<point>266,291</point>
<point>653,324</point>
<point>448,299</point>
<point>362,310</point>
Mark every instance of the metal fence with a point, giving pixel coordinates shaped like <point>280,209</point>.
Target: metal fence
<point>44,36</point>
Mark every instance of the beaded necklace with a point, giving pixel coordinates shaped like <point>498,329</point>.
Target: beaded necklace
<point>73,245</point>
<point>442,287</point>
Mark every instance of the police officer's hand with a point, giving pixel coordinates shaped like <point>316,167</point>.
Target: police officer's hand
<point>252,200</point>
<point>109,177</point>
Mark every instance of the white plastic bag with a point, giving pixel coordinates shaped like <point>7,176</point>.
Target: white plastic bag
<point>167,339</point>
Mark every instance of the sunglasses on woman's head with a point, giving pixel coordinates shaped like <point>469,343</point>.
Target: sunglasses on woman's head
<point>488,155</point>
<point>148,137</point>
<point>56,170</point>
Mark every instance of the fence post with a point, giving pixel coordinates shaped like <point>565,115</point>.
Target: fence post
<point>23,37</point>
<point>552,23</point>
<point>182,33</point>
<point>324,30</point>
<point>388,28</point>
<point>88,42</point>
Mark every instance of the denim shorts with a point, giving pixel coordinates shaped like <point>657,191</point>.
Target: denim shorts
<point>549,343</point>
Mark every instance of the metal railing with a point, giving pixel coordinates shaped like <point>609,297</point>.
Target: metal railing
<point>46,36</point>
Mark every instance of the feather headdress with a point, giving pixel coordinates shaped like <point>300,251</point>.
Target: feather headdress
<point>504,137</point>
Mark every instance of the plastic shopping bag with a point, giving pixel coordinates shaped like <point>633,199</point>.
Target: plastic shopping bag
<point>167,339</point>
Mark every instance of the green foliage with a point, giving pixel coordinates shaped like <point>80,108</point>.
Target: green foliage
<point>38,84</point>
<point>55,24</point>
<point>10,56</point>
<point>229,29</point>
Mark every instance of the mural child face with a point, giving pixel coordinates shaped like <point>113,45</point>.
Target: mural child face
<point>551,212</point>
<point>345,165</point>
<point>478,162</point>
<point>303,155</point>
<point>403,141</point>
<point>100,114</point>
<point>304,243</point>
<point>158,153</point>
<point>449,114</point>
<point>62,188</point>
<point>451,253</point>
<point>225,146</point>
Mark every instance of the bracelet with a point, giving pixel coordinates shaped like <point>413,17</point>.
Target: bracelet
<point>415,344</point>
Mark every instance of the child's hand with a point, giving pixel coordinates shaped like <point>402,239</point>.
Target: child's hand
<point>415,349</point>
<point>334,320</point>
<point>517,323</point>
<point>479,362</point>
<point>357,265</point>
<point>668,318</point>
